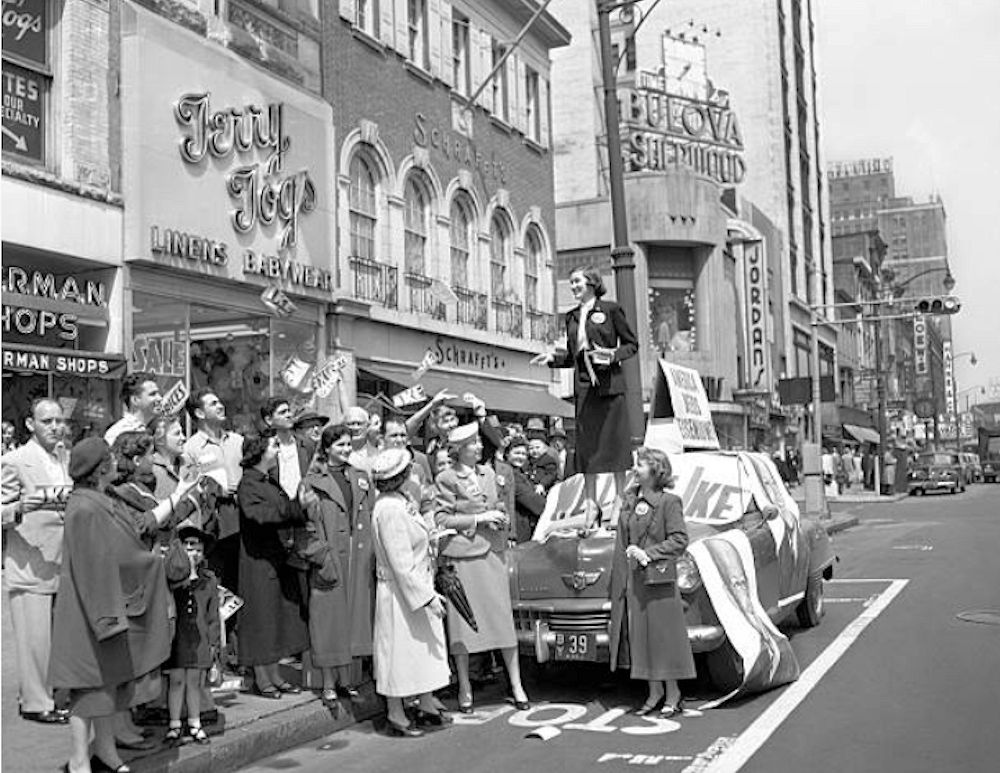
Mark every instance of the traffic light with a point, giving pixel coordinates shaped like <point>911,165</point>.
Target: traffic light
<point>943,304</point>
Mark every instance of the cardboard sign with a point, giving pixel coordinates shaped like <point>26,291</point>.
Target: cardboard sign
<point>415,394</point>
<point>327,377</point>
<point>439,291</point>
<point>429,361</point>
<point>295,373</point>
<point>679,402</point>
<point>229,603</point>
<point>174,399</point>
<point>277,302</point>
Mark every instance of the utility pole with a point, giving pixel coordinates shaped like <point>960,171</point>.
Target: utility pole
<point>882,388</point>
<point>622,254</point>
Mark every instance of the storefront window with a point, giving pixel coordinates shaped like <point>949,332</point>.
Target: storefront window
<point>672,318</point>
<point>243,357</point>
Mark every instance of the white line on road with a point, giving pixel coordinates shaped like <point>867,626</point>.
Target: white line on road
<point>751,739</point>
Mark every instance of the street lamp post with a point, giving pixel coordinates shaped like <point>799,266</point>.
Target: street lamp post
<point>622,254</point>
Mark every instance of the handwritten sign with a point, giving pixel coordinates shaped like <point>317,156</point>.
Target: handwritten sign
<point>277,302</point>
<point>174,399</point>
<point>327,377</point>
<point>679,397</point>
<point>429,361</point>
<point>415,394</point>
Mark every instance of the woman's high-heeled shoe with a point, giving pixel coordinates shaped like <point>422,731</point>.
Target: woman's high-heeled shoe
<point>672,709</point>
<point>97,765</point>
<point>431,719</point>
<point>647,708</point>
<point>402,731</point>
<point>465,706</point>
<point>520,705</point>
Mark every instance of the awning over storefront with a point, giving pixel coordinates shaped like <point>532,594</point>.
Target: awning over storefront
<point>511,396</point>
<point>862,434</point>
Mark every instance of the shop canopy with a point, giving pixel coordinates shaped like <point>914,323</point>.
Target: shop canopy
<point>509,396</point>
<point>862,434</point>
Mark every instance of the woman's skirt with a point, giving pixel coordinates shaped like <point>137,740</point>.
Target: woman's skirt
<point>603,438</point>
<point>105,701</point>
<point>484,579</point>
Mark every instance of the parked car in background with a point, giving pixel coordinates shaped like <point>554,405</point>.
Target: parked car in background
<point>937,471</point>
<point>991,469</point>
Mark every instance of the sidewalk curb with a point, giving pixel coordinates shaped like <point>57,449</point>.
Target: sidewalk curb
<point>261,737</point>
<point>842,523</point>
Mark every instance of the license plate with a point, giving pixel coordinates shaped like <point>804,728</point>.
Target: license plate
<point>575,646</point>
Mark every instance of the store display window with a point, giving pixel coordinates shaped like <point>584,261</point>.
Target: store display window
<point>244,357</point>
<point>671,317</point>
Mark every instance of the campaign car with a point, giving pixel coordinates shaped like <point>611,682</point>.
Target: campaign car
<point>560,580</point>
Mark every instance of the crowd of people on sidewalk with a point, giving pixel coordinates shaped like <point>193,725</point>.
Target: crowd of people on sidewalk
<point>346,547</point>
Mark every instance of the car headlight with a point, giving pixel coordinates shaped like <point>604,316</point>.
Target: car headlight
<point>688,576</point>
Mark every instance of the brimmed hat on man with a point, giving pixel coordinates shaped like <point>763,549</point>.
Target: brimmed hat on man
<point>535,428</point>
<point>310,417</point>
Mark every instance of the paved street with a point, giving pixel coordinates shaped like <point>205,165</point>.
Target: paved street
<point>892,680</point>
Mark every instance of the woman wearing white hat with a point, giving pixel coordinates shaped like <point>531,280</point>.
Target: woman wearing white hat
<point>469,502</point>
<point>410,653</point>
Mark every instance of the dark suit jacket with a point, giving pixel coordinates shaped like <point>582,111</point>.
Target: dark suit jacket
<point>607,328</point>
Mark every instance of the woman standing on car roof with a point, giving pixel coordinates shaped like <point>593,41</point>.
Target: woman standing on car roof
<point>648,632</point>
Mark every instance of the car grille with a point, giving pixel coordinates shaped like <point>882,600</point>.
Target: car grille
<point>586,621</point>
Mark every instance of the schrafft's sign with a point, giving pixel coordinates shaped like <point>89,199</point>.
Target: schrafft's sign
<point>679,400</point>
<point>663,130</point>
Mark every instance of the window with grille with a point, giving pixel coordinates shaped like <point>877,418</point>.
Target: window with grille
<point>499,254</point>
<point>533,261</point>
<point>461,240</point>
<point>461,70</point>
<point>362,205</point>
<point>416,20</point>
<point>415,209</point>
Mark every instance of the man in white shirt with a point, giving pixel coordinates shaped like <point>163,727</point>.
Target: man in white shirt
<point>141,397</point>
<point>218,453</point>
<point>365,436</point>
<point>36,484</point>
<point>293,456</point>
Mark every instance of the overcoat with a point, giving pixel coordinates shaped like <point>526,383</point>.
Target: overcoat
<point>410,653</point>
<point>272,622</point>
<point>197,640</point>
<point>603,434</point>
<point>110,622</point>
<point>647,627</point>
<point>340,603</point>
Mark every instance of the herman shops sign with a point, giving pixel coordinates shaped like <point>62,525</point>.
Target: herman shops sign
<point>661,130</point>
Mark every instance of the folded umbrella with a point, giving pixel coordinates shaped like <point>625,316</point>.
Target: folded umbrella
<point>446,583</point>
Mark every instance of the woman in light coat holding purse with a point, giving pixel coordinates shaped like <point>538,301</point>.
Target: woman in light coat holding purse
<point>648,631</point>
<point>470,500</point>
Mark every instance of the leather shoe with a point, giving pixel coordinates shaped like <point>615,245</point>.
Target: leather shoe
<point>351,693</point>
<point>520,705</point>
<point>142,745</point>
<point>288,687</point>
<point>431,719</point>
<point>402,731</point>
<point>647,708</point>
<point>51,717</point>
<point>270,691</point>
<point>97,765</point>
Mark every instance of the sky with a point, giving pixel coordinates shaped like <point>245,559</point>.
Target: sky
<point>919,82</point>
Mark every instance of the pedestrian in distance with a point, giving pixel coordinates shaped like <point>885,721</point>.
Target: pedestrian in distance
<point>340,601</point>
<point>197,639</point>
<point>599,339</point>
<point>648,631</point>
<point>410,651</point>
<point>36,484</point>
<point>111,630</point>
<point>272,622</point>
<point>469,502</point>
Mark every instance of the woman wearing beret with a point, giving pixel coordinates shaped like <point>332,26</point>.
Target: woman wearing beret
<point>110,628</point>
<point>598,339</point>
<point>411,656</point>
<point>272,622</point>
<point>648,631</point>
<point>470,501</point>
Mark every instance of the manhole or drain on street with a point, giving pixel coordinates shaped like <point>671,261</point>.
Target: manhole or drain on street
<point>982,616</point>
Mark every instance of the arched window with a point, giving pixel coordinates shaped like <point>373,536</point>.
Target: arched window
<point>534,259</point>
<point>415,226</point>
<point>500,249</point>
<point>362,205</point>
<point>461,239</point>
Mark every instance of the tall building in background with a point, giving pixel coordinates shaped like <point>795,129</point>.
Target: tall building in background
<point>859,190</point>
